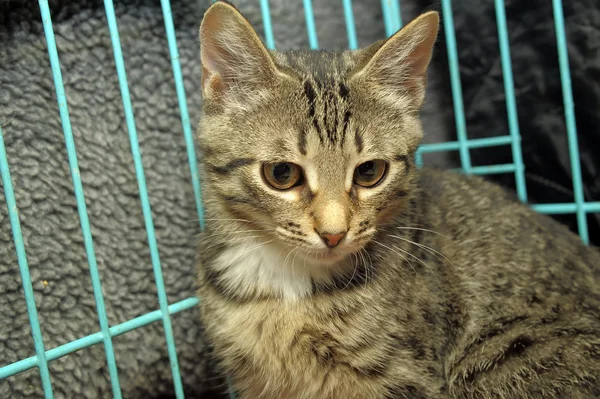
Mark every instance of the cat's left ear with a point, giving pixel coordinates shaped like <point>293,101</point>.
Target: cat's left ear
<point>398,67</point>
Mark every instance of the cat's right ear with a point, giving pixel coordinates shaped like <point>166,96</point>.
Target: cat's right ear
<point>232,54</point>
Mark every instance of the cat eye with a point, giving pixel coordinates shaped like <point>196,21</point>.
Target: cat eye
<point>283,175</point>
<point>369,173</point>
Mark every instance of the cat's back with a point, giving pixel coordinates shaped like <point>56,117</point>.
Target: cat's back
<point>529,288</point>
<point>502,244</point>
<point>475,212</point>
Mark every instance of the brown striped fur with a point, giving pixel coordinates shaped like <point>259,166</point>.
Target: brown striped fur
<point>444,287</point>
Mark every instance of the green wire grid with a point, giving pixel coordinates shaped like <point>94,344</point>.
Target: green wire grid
<point>391,16</point>
<point>392,21</point>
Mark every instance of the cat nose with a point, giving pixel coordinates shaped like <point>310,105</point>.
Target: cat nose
<point>332,240</point>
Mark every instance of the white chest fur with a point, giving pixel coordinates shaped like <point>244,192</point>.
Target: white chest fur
<point>260,268</point>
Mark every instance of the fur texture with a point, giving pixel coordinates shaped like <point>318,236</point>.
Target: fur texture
<point>51,232</point>
<point>443,286</point>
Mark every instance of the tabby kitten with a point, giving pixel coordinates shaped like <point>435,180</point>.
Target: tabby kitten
<point>330,267</point>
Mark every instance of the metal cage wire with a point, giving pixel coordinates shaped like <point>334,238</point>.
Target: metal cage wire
<point>393,22</point>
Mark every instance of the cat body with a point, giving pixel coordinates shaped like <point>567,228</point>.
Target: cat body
<point>495,319</point>
<point>330,267</point>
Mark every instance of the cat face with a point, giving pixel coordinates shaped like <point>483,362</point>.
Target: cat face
<point>314,149</point>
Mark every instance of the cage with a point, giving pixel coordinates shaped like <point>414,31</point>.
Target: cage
<point>107,332</point>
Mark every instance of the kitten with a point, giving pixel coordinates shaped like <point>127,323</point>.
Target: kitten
<point>330,267</point>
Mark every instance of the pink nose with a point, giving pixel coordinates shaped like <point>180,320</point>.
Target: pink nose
<point>332,240</point>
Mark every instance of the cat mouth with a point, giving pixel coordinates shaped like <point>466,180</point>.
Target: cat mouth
<point>331,255</point>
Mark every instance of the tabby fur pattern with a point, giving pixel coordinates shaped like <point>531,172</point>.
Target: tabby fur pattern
<point>444,286</point>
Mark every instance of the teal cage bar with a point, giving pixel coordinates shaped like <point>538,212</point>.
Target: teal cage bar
<point>393,21</point>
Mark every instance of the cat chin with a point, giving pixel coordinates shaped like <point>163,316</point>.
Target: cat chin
<point>327,260</point>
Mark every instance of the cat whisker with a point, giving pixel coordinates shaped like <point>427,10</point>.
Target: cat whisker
<point>397,253</point>
<point>295,252</point>
<point>423,263</point>
<point>209,237</point>
<point>436,253</point>
<point>306,257</point>
<point>220,228</point>
<point>370,265</point>
<point>366,268</point>
<point>291,271</point>
<point>422,229</point>
<point>279,253</point>
<point>226,220</point>
<point>350,280</point>
<point>235,240</point>
<point>260,244</point>
<point>216,234</point>
<point>212,245</point>
<point>368,256</point>
<point>287,256</point>
<point>197,220</point>
<point>277,258</point>
<point>294,258</point>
